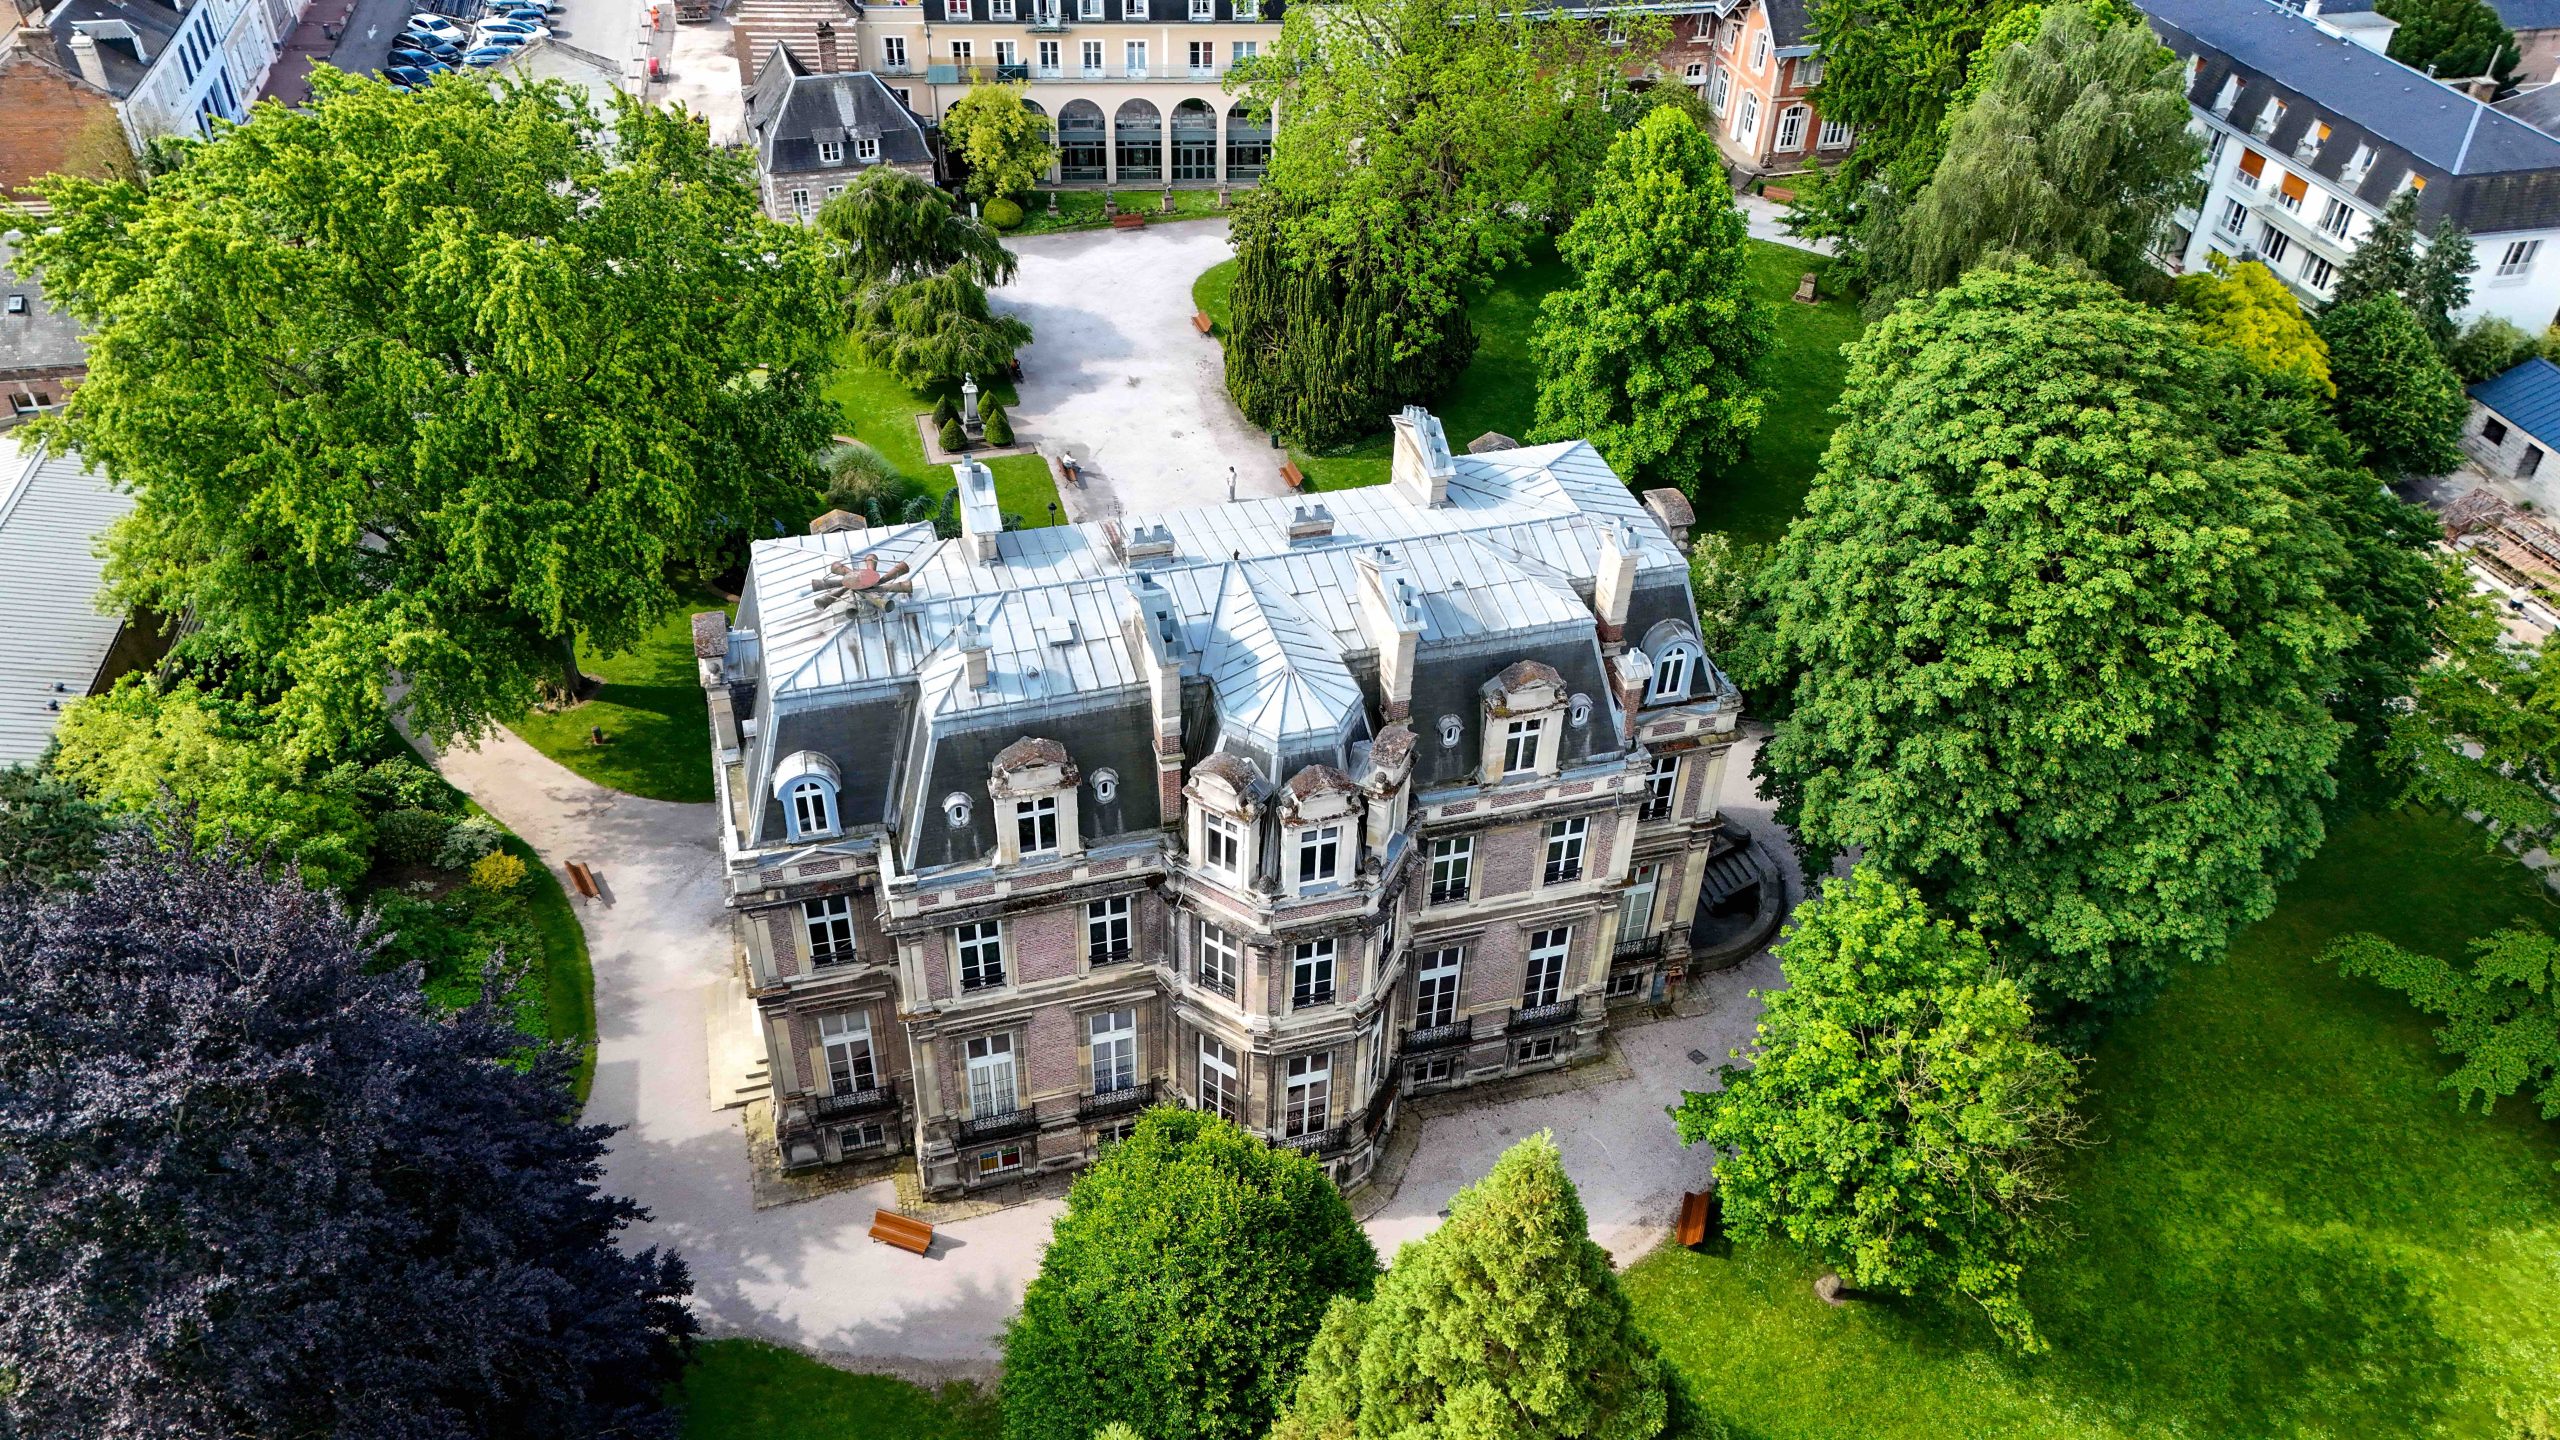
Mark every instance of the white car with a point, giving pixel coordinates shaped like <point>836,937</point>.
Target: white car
<point>512,32</point>
<point>439,26</point>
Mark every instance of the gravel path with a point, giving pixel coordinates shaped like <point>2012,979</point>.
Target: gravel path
<point>806,1275</point>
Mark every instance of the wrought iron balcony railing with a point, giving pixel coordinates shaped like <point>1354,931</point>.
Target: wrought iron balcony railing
<point>1121,1101</point>
<point>1313,995</point>
<point>1449,894</point>
<point>831,953</point>
<point>1655,810</point>
<point>1560,873</point>
<point>883,1096</point>
<point>1542,1017</point>
<point>1216,984</point>
<point>1438,1037</point>
<point>999,1125</point>
<point>1314,1142</point>
<point>1646,948</point>
<point>1108,954</point>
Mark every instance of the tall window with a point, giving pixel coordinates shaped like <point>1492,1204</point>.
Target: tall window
<point>1453,860</point>
<point>1106,930</point>
<point>992,1091</point>
<point>1760,52</point>
<point>2316,272</point>
<point>1791,128</point>
<point>2273,244</point>
<point>1204,56</point>
<point>1834,135</point>
<point>893,52</point>
<point>800,208</point>
<point>1219,955</point>
<point>813,809</point>
<point>1048,57</point>
<point>1223,840</point>
<point>830,922</point>
<point>1544,982</point>
<point>1719,88</point>
<point>1114,1044</point>
<point>1748,128</point>
<point>1007,52</point>
<point>1309,1101</point>
<point>1435,988</point>
<point>1520,747</point>
<point>2235,218</point>
<point>846,1039</point>
<point>1319,854</point>
<point>2336,215</point>
<point>1808,72</point>
<point>2518,257</point>
<point>1093,48</point>
<point>1220,1092</point>
<point>1035,825</point>
<point>981,954</point>
<point>1635,904</point>
<point>1311,973</point>
<point>1564,849</point>
<point>963,52</point>
<point>1671,671</point>
<point>1661,784</point>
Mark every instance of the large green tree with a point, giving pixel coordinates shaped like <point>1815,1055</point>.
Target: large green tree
<point>1179,1290</point>
<point>1005,144</point>
<point>1900,1115</point>
<point>2501,1011</point>
<point>2396,395</point>
<point>2077,148</point>
<point>1652,353</point>
<point>917,268</point>
<point>2245,308</point>
<point>2055,655</point>
<point>428,386</point>
<point>2481,731</point>
<point>2431,273</point>
<point>2454,39</point>
<point>1505,1323</point>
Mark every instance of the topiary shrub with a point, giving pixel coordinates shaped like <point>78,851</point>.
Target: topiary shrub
<point>465,843</point>
<point>410,837</point>
<point>954,439</point>
<point>1004,214</point>
<point>943,410</point>
<point>497,872</point>
<point>401,782</point>
<point>999,425</point>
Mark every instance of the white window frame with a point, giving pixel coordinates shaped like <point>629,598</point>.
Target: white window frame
<point>1791,128</point>
<point>812,802</point>
<point>2338,217</point>
<point>956,10</point>
<point>1520,743</point>
<point>1007,52</point>
<point>2517,259</point>
<point>1565,841</point>
<point>1636,902</point>
<point>1035,826</point>
<point>1089,10</point>
<point>1719,89</point>
<point>1204,9</point>
<point>1662,783</point>
<point>1538,1047</point>
<point>1624,984</point>
<point>1111,1050</point>
<point>865,149</point>
<point>1832,135</point>
<point>1311,973</point>
<point>1222,844</point>
<point>1133,58</point>
<point>1760,47</point>
<point>1542,971</point>
<point>2235,218</point>
<point>1307,1101</point>
<point>828,920</point>
<point>1221,1088</point>
<point>979,947</point>
<point>999,9</point>
<point>893,52</point>
<point>1672,669</point>
<point>995,1083</point>
<point>2273,244</point>
<point>1808,72</point>
<point>1319,854</point>
<point>1453,865</point>
<point>1747,124</point>
<point>830,152</point>
<point>1221,958</point>
<point>2317,272</point>
<point>964,53</point>
<point>1106,930</point>
<point>1204,56</point>
<point>1049,64</point>
<point>1437,999</point>
<point>1091,54</point>
<point>1133,9</point>
<point>844,1039</point>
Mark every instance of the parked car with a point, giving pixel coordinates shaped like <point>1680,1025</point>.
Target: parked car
<point>488,55</point>
<point>498,30</point>
<point>426,24</point>
<point>523,13</point>
<point>427,39</point>
<point>407,77</point>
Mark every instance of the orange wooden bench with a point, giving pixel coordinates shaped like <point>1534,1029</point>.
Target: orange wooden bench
<point>1127,221</point>
<point>1697,1217</point>
<point>888,1227</point>
<point>1297,478</point>
<point>583,880</point>
<point>1201,322</point>
<point>1779,193</point>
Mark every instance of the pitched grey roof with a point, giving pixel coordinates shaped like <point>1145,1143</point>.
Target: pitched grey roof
<point>2489,172</point>
<point>2528,396</point>
<point>2538,107</point>
<point>43,337</point>
<point>123,59</point>
<point>2527,14</point>
<point>52,510</point>
<point>790,113</point>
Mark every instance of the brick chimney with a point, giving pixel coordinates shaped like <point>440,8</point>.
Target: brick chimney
<point>84,54</point>
<point>826,48</point>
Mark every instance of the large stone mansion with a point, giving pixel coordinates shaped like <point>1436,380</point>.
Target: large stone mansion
<point>1279,808</point>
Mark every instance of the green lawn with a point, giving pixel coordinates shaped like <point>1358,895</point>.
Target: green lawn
<point>1499,390</point>
<point>568,979</point>
<point>748,1390</point>
<point>1082,209</point>
<point>651,709</point>
<point>2286,1229</point>
<point>881,411</point>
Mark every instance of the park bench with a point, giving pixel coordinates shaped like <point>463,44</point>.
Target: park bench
<point>888,1227</point>
<point>1127,221</point>
<point>583,880</point>
<point>1778,193</point>
<point>1297,478</point>
<point>1200,321</point>
<point>1074,472</point>
<point>1698,1217</point>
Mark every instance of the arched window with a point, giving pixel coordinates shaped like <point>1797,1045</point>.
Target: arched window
<point>813,809</point>
<point>806,783</point>
<point>1671,671</point>
<point>1106,785</point>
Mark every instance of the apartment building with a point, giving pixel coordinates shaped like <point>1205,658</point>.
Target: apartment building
<point>1756,64</point>
<point>1282,809</point>
<point>2310,134</point>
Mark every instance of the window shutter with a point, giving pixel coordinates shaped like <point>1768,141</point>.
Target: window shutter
<point>2295,187</point>
<point>2252,163</point>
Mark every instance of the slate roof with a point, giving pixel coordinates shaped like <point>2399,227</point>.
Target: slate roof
<point>2538,107</point>
<point>2528,396</point>
<point>2489,172</point>
<point>44,337</point>
<point>2527,14</point>
<point>153,22</point>
<point>1276,668</point>
<point>789,112</point>
<point>52,510</point>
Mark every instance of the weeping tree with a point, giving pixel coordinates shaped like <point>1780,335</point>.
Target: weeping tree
<point>1322,350</point>
<point>917,269</point>
<point>932,331</point>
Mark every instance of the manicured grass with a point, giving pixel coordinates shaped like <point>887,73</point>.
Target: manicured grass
<point>2286,1228</point>
<point>1082,209</point>
<point>1499,390</point>
<point>748,1390</point>
<point>880,411</point>
<point>568,978</point>
<point>651,709</point>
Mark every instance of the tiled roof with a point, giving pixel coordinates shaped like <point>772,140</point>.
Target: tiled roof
<point>151,22</point>
<point>2528,396</point>
<point>790,114</point>
<point>2526,14</point>
<point>43,337</point>
<point>52,511</point>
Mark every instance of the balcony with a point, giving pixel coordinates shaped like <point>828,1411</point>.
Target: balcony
<point>1647,948</point>
<point>1001,1125</point>
<point>1102,955</point>
<point>849,1103</point>
<point>1314,1142</point>
<point>975,74</point>
<point>1223,986</point>
<point>1117,1102</point>
<point>1655,809</point>
<point>1563,872</point>
<point>1311,996</point>
<point>1439,1037</point>
<point>1525,1018</point>
<point>823,957</point>
<point>1449,894</point>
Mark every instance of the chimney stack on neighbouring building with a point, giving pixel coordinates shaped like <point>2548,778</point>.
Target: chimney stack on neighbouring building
<point>1391,618</point>
<point>974,653</point>
<point>1154,634</point>
<point>1422,468</point>
<point>826,48</point>
<point>981,518</point>
<point>1613,584</point>
<point>84,54</point>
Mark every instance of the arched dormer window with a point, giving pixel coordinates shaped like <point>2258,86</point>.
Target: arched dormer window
<point>806,783</point>
<point>1672,671</point>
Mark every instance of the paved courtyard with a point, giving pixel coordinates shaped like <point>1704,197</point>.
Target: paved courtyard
<point>1117,377</point>
<point>806,1275</point>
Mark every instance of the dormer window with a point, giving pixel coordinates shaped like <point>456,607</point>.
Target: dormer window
<point>805,782</point>
<point>2269,118</point>
<point>1221,844</point>
<point>1319,854</point>
<point>1671,674</point>
<point>866,150</point>
<point>1035,825</point>
<point>830,152</point>
<point>813,809</point>
<point>1106,786</point>
<point>2228,96</point>
<point>1577,711</point>
<point>1450,729</point>
<point>1520,746</point>
<point>955,808</point>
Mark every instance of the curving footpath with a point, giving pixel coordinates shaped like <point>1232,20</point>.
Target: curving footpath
<point>806,1275</point>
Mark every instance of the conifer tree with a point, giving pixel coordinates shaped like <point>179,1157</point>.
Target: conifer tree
<point>2434,282</point>
<point>1505,1322</point>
